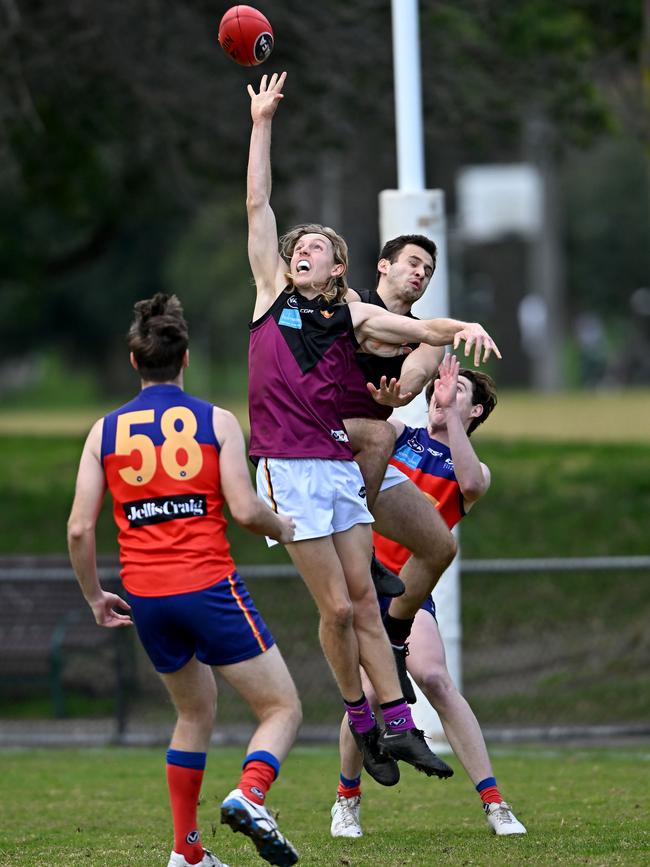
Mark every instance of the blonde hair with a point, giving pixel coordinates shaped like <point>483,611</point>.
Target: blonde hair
<point>336,288</point>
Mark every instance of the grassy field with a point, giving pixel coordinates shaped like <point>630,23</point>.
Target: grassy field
<point>556,647</point>
<point>580,416</point>
<point>108,808</point>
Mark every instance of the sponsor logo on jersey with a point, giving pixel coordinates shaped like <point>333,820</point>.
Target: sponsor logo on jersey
<point>157,510</point>
<point>290,319</point>
<point>449,463</point>
<point>415,445</point>
<point>327,313</point>
<point>292,301</point>
<point>434,453</point>
<point>340,436</point>
<point>407,456</point>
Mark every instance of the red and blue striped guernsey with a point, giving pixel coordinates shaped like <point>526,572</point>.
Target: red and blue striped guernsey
<point>428,462</point>
<point>161,460</point>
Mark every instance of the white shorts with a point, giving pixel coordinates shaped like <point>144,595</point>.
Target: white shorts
<point>392,477</point>
<point>322,496</point>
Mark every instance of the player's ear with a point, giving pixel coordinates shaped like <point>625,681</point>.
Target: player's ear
<point>383,265</point>
<point>338,270</point>
<point>134,363</point>
<point>476,411</point>
<point>186,359</point>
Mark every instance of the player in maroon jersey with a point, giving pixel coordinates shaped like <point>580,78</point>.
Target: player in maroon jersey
<point>302,345</point>
<point>441,461</point>
<point>171,461</point>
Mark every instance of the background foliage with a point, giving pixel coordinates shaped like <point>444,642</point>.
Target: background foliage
<point>123,137</point>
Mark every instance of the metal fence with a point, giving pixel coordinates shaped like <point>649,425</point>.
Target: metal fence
<point>555,644</point>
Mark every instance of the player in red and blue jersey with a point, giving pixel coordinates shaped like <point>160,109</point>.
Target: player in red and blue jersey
<point>171,462</point>
<point>302,341</point>
<point>441,461</point>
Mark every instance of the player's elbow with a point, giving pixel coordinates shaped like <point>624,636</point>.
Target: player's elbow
<point>245,512</point>
<point>256,200</point>
<point>79,529</point>
<point>473,490</point>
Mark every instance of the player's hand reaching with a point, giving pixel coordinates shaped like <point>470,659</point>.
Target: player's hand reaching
<point>104,610</point>
<point>445,388</point>
<point>474,335</point>
<point>389,393</point>
<point>265,103</point>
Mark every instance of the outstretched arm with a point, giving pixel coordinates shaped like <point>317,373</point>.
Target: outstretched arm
<point>246,507</point>
<point>371,322</point>
<point>88,498</point>
<point>473,476</point>
<point>266,263</point>
<point>418,368</point>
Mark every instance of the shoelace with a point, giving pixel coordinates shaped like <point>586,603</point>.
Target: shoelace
<point>347,815</point>
<point>504,813</point>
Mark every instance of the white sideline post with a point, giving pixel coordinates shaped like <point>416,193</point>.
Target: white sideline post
<point>413,210</point>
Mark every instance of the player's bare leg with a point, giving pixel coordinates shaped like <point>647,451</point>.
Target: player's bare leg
<point>427,665</point>
<point>372,442</point>
<point>405,514</point>
<point>319,565</point>
<point>193,691</point>
<point>265,684</point>
<point>349,619</point>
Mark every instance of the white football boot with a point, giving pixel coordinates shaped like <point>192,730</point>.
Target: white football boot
<point>502,820</point>
<point>345,817</point>
<point>208,860</point>
<point>257,823</point>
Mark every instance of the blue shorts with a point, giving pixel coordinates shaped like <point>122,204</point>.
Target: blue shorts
<point>219,625</point>
<point>428,605</point>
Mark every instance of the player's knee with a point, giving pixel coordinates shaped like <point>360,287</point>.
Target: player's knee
<point>437,685</point>
<point>338,616</point>
<point>383,442</point>
<point>438,550</point>
<point>199,711</point>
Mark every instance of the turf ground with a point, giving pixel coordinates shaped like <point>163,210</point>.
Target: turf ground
<point>582,416</point>
<point>108,808</point>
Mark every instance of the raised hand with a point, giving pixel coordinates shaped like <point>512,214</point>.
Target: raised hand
<point>265,103</point>
<point>389,393</point>
<point>475,335</point>
<point>445,388</point>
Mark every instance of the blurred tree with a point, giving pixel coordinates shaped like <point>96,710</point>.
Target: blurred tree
<point>121,122</point>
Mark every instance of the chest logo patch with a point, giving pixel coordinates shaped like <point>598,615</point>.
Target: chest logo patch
<point>290,318</point>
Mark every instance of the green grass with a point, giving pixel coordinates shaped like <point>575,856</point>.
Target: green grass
<point>108,808</point>
<point>546,499</point>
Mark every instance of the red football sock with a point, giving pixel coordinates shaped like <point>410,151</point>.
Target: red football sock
<point>491,795</point>
<point>256,780</point>
<point>184,789</point>
<point>349,788</point>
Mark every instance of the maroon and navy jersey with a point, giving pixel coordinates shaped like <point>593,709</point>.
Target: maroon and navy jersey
<point>357,402</point>
<point>161,461</point>
<point>300,355</point>
<point>428,463</point>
